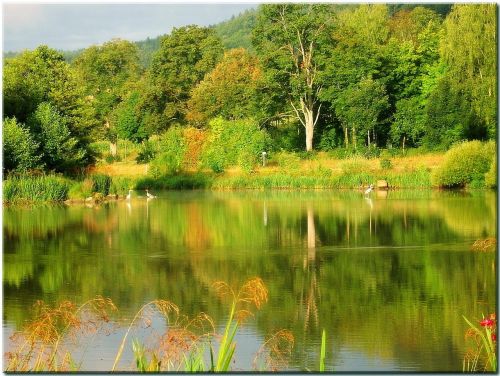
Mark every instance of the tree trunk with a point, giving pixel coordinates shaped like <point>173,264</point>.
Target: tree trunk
<point>346,137</point>
<point>309,131</point>
<point>112,148</point>
<point>368,138</point>
<point>404,139</point>
<point>354,137</point>
<point>112,145</point>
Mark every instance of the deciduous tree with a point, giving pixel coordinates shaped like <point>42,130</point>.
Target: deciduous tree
<point>291,40</point>
<point>185,56</point>
<point>229,91</point>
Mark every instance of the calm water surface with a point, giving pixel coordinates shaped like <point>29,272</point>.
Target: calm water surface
<point>388,278</point>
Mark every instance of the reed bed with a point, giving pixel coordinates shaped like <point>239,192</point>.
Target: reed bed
<point>42,188</point>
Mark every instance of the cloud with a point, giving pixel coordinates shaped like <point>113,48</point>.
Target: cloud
<point>73,26</point>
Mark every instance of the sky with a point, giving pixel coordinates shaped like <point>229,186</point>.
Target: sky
<point>73,26</point>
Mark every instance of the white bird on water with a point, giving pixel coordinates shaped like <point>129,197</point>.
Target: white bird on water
<point>370,188</point>
<point>129,196</point>
<point>149,195</point>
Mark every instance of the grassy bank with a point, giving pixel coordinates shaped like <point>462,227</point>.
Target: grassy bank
<point>285,171</point>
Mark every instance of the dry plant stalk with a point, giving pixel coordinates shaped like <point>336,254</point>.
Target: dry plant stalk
<point>274,354</point>
<point>253,292</point>
<point>41,345</point>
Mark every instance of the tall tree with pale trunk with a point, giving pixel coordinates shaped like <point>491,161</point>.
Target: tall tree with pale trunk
<point>291,40</point>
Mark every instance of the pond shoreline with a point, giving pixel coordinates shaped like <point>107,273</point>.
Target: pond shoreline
<point>100,187</point>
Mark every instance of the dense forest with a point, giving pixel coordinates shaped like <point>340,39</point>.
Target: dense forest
<point>282,77</point>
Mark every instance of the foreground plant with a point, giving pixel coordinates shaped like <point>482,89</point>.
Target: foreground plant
<point>47,343</point>
<point>44,344</point>
<point>482,355</point>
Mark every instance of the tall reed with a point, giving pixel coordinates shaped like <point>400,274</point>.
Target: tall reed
<point>35,188</point>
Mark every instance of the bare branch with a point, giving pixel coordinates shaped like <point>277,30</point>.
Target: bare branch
<point>297,113</point>
<point>317,114</point>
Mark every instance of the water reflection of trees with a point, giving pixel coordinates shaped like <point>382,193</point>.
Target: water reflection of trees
<point>315,252</point>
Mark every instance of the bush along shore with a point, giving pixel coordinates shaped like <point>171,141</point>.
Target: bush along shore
<point>467,165</point>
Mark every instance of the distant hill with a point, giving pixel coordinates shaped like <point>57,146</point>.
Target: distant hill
<point>237,32</point>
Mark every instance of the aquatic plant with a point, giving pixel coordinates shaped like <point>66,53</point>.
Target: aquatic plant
<point>323,352</point>
<point>481,356</point>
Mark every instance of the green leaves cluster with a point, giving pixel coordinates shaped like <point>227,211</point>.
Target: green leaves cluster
<point>42,100</point>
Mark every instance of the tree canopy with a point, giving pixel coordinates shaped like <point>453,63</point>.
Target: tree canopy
<point>309,75</point>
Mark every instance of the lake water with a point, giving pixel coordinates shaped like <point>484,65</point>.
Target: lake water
<point>388,277</point>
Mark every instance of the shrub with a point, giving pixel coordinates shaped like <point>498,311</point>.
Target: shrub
<point>490,178</point>
<point>234,142</point>
<point>330,139</point>
<point>109,158</point>
<point>59,150</point>
<point>19,148</point>
<point>100,183</point>
<point>170,154</point>
<point>370,152</point>
<point>464,163</point>
<point>194,139</point>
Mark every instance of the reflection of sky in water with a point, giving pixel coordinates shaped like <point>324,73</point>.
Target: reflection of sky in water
<point>352,360</point>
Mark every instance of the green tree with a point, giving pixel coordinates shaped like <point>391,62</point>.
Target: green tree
<point>409,122</point>
<point>128,124</point>
<point>359,108</point>
<point>58,149</point>
<point>469,48</point>
<point>359,35</point>
<point>19,148</point>
<point>185,56</point>
<point>106,73</point>
<point>42,75</point>
<point>291,40</point>
<point>229,91</point>
<point>447,116</point>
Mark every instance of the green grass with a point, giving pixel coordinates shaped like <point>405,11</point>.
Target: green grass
<point>411,179</point>
<point>182,181</point>
<point>43,188</point>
